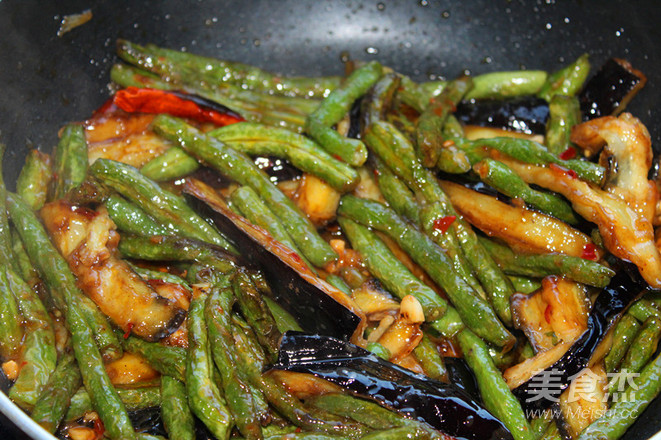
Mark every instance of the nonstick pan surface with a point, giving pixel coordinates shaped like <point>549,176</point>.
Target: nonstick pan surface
<point>48,80</point>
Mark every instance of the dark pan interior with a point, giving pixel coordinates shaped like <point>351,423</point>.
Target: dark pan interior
<point>48,80</point>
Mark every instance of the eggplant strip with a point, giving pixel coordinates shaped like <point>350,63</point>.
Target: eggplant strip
<point>87,240</point>
<point>319,306</point>
<point>624,288</point>
<point>520,228</point>
<point>362,373</point>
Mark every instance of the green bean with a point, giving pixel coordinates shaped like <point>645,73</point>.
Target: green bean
<point>495,283</point>
<point>129,218</point>
<point>377,101</point>
<point>34,179</point>
<point>502,178</point>
<point>203,395</point>
<point>451,159</point>
<point>396,193</point>
<point>427,354</point>
<point>132,398</point>
<point>564,113</point>
<point>256,139</point>
<point>399,155</point>
<point>643,346</point>
<point>540,424</point>
<point>151,274</point>
<point>278,115</point>
<point>625,331</point>
<point>532,152</point>
<point>497,397</point>
<point>432,88</point>
<point>305,436</point>
<point>625,411</point>
<point>283,319</point>
<point>251,360</point>
<point>643,309</point>
<point>392,273</point>
<point>429,128</point>
<point>169,361</point>
<point>551,433</point>
<point>25,267</point>
<point>362,411</point>
<point>474,311</point>
<point>240,168</point>
<point>237,393</point>
<point>566,81</point>
<point>172,164</point>
<point>333,108</point>
<point>55,399</point>
<point>175,412</point>
<point>172,248</point>
<point>11,330</point>
<point>168,209</point>
<point>524,284</point>
<point>105,399</point>
<point>60,281</point>
<point>186,67</point>
<point>338,281</point>
<point>70,160</point>
<point>379,350</point>
<point>39,356</point>
<point>452,128</point>
<point>247,201</point>
<point>6,254</point>
<point>417,95</point>
<point>578,269</point>
<point>500,85</point>
<point>503,360</point>
<point>256,313</point>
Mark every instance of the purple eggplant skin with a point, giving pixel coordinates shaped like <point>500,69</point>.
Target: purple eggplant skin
<point>443,406</point>
<point>206,103</point>
<point>526,114</point>
<point>610,89</point>
<point>624,288</point>
<point>315,310</point>
<point>461,376</point>
<point>278,169</point>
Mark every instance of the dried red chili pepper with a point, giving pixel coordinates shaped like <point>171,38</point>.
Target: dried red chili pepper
<point>134,99</point>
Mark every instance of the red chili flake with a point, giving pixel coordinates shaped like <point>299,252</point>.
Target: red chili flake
<point>99,429</point>
<point>134,99</point>
<point>295,257</point>
<point>129,327</point>
<point>376,173</point>
<point>569,153</point>
<point>560,169</point>
<point>547,313</point>
<point>298,430</point>
<point>589,252</point>
<point>443,224</point>
<point>337,156</point>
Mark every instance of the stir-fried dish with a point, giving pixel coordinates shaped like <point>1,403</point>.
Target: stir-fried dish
<point>221,252</point>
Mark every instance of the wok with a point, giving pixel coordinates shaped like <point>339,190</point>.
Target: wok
<point>48,80</point>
